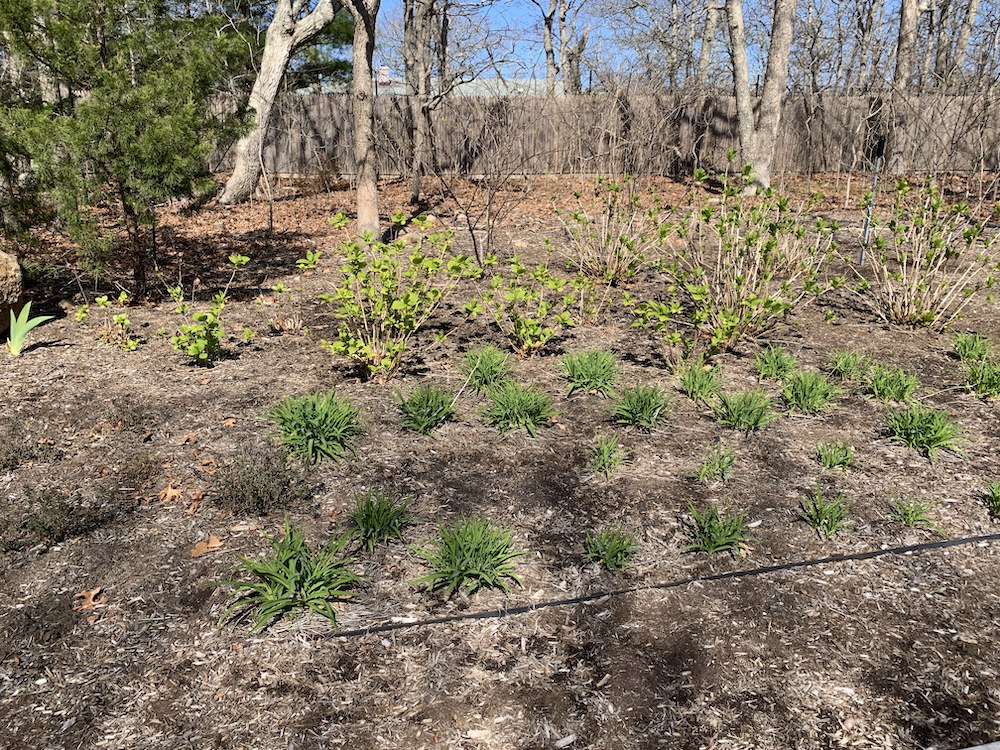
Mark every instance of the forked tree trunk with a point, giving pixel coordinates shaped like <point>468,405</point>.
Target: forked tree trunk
<point>758,134</point>
<point>906,57</point>
<point>286,34</point>
<point>366,170</point>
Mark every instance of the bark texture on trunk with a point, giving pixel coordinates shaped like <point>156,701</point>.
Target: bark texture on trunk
<point>902,79</point>
<point>286,34</point>
<point>758,133</point>
<point>366,170</point>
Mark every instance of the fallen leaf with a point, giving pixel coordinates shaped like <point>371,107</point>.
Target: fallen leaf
<point>189,438</point>
<point>170,493</point>
<point>231,422</point>
<point>90,599</point>
<point>204,546</point>
<point>196,498</point>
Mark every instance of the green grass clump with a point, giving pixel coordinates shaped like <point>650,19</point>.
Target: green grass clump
<point>850,365</point>
<point>991,499</point>
<point>514,406</point>
<point>983,376</point>
<point>714,532</point>
<point>594,372</point>
<point>914,513</point>
<point>485,368</point>
<point>644,407</point>
<point>716,465</point>
<point>317,425</point>
<point>774,363</point>
<point>923,428</point>
<point>835,455</point>
<point>746,411</point>
<point>379,518</point>
<point>826,515</point>
<point>888,384</point>
<point>611,547</point>
<point>972,347</point>
<point>700,381</point>
<point>809,392</point>
<point>607,455</point>
<point>470,554</point>
<point>427,407</point>
<point>294,578</point>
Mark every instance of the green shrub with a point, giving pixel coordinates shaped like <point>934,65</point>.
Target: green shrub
<point>386,293</point>
<point>427,407</point>
<point>643,407</point>
<point>746,411</point>
<point>826,515</point>
<point>835,454</point>
<point>514,406</point>
<point>714,532</point>
<point>317,425</point>
<point>700,381</point>
<point>485,368</point>
<point>611,547</point>
<point>470,554</point>
<point>379,518</point>
<point>774,362</point>
<point>809,392</point>
<point>925,429</point>
<point>259,480</point>
<point>887,384</point>
<point>594,372</point>
<point>294,578</point>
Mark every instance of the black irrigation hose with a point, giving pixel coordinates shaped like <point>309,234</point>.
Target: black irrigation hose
<point>752,573</point>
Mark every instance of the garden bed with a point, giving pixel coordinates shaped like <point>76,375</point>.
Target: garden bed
<point>112,481</point>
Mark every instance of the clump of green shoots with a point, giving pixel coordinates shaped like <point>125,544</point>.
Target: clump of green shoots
<point>592,371</point>
<point>607,455</point>
<point>717,464</point>
<point>827,515</point>
<point>700,381</point>
<point>835,454</point>
<point>612,547</point>
<point>889,384</point>
<point>714,532</point>
<point>485,368</point>
<point>972,347</point>
<point>850,365</point>
<point>773,362</point>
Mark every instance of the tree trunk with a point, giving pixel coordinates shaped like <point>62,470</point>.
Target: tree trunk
<point>758,135</point>
<point>548,43</point>
<point>285,35</point>
<point>906,55</point>
<point>418,59</point>
<point>366,170</point>
<point>707,42</point>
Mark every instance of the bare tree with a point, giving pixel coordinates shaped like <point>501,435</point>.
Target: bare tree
<point>559,19</point>
<point>293,25</point>
<point>758,133</point>
<point>365,13</point>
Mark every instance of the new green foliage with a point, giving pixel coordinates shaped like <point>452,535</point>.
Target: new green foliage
<point>20,326</point>
<point>593,371</point>
<point>644,407</point>
<point>317,425</point>
<point>470,554</point>
<point>612,547</point>
<point>379,518</point>
<point>427,407</point>
<point>514,406</point>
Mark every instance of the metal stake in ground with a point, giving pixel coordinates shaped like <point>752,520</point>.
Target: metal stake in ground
<point>878,152</point>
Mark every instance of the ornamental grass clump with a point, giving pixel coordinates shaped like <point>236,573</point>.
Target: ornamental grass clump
<point>611,547</point>
<point>514,406</point>
<point>317,426</point>
<point>379,518</point>
<point>746,411</point>
<point>891,384</point>
<point>850,365</point>
<point>643,407</point>
<point>295,578</point>
<point>773,362</point>
<point>592,371</point>
<point>809,392</point>
<point>427,407</point>
<point>835,454</point>
<point>715,532</point>
<point>469,555</point>
<point>924,429</point>
<point>485,368</point>
<point>700,381</point>
<point>982,376</point>
<point>972,347</point>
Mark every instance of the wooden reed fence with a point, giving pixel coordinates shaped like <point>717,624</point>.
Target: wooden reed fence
<point>665,134</point>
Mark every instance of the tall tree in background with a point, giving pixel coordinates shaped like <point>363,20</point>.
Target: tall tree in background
<point>759,132</point>
<point>365,13</point>
<point>560,20</point>
<point>118,112</point>
<point>294,24</point>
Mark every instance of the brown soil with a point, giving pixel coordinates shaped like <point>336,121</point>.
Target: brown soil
<point>897,651</point>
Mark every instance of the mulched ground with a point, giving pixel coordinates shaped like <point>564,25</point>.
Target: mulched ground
<point>116,477</point>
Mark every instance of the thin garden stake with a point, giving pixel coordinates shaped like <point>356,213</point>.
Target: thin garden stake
<point>879,152</point>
